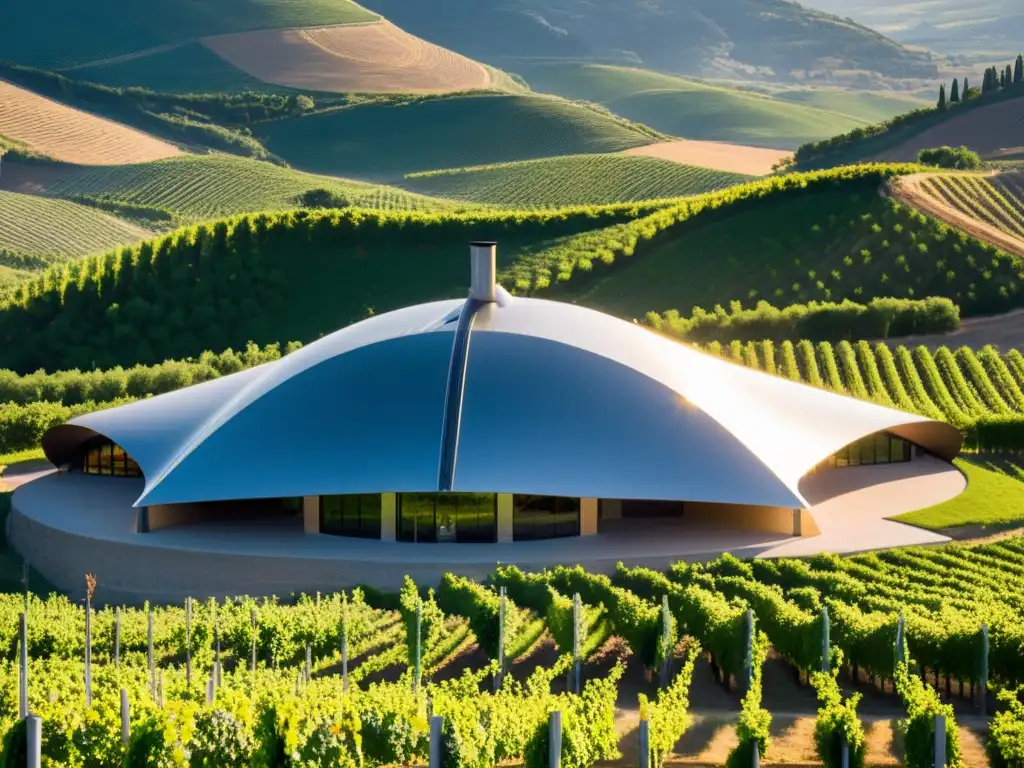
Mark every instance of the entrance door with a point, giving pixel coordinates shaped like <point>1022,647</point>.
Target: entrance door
<point>447,517</point>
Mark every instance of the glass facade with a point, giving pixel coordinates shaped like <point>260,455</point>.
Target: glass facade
<point>880,448</point>
<point>544,517</point>
<point>109,459</point>
<point>351,515</point>
<point>448,517</point>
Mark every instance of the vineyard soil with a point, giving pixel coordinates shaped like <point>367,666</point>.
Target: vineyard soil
<point>362,58</point>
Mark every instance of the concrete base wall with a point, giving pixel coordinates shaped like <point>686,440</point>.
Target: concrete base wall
<point>588,517</point>
<point>784,520</point>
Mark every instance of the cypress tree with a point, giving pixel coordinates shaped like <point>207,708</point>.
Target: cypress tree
<point>1002,79</point>
<point>1009,75</point>
<point>942,96</point>
<point>954,92</point>
<point>966,91</point>
<point>1018,69</point>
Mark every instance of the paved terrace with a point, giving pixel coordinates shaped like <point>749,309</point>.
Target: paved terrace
<point>69,524</point>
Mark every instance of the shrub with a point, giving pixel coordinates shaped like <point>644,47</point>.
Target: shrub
<point>1005,747</point>
<point>960,158</point>
<point>817,321</point>
<point>220,741</point>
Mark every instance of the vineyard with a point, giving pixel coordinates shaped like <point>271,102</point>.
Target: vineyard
<point>37,225</point>
<point>961,386</point>
<point>200,187</point>
<point>558,182</point>
<point>995,200</point>
<point>384,142</point>
<point>355,678</point>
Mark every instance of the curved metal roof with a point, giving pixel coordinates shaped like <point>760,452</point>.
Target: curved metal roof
<point>546,398</point>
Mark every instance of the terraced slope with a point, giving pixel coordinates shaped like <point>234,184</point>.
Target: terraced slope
<point>38,225</point>
<point>61,33</point>
<point>572,180</point>
<point>990,207</point>
<point>689,108</point>
<point>72,136</point>
<point>197,187</point>
<point>367,58</point>
<point>385,142</point>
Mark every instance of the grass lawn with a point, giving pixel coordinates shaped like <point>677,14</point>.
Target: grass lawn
<point>994,497</point>
<point>30,454</point>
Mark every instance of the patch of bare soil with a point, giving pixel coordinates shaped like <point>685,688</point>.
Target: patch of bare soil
<point>994,131</point>
<point>1005,331</point>
<point>377,57</point>
<point>717,155</point>
<point>73,136</point>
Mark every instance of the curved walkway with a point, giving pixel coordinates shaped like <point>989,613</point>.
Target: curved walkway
<point>67,525</point>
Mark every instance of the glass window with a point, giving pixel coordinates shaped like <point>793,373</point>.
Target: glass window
<point>109,459</point>
<point>882,448</point>
<point>867,450</point>
<point>351,515</point>
<point>544,517</point>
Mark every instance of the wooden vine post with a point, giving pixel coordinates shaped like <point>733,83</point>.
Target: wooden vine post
<point>90,587</point>
<point>826,640</point>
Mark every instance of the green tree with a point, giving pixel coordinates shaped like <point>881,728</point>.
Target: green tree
<point>954,92</point>
<point>966,92</point>
<point>942,96</point>
<point>1018,69</point>
<point>1008,80</point>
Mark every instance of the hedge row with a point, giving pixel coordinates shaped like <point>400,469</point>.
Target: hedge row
<point>22,426</point>
<point>880,318</point>
<point>75,387</point>
<point>459,596</point>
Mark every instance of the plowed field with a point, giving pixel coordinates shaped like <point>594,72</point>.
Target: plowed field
<point>377,57</point>
<point>734,158</point>
<point>73,136</point>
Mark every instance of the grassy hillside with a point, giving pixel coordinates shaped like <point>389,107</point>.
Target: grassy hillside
<point>37,225</point>
<point>695,36</point>
<point>871,107</point>
<point>386,141</point>
<point>571,180</point>
<point>691,109</point>
<point>198,187</point>
<point>987,123</point>
<point>63,33</point>
<point>187,68</point>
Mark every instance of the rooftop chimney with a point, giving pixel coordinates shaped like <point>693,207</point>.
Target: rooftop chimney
<point>482,270</point>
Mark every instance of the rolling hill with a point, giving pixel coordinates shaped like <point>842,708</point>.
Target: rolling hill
<point>769,37</point>
<point>571,180</point>
<point>70,135</point>
<point>53,34</point>
<point>798,237</point>
<point>200,187</point>
<point>38,225</point>
<point>383,142</point>
<point>688,108</point>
